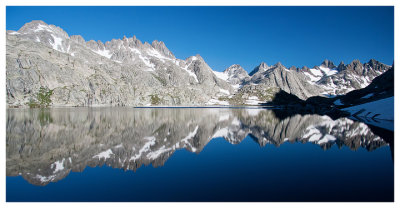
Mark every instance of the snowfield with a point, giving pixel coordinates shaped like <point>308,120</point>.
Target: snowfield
<point>380,109</point>
<point>379,113</point>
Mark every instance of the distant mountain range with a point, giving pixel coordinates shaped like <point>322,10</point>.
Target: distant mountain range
<point>128,72</point>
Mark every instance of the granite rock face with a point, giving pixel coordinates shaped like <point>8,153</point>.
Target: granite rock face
<point>129,72</point>
<point>117,73</point>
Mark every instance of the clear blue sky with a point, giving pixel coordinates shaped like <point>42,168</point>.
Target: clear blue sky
<point>234,35</point>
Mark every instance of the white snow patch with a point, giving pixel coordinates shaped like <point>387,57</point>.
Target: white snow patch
<point>59,165</point>
<point>44,179</point>
<point>312,77</point>
<point>191,74</point>
<point>213,101</point>
<point>145,60</point>
<point>43,27</point>
<point>57,45</point>
<point>191,134</point>
<point>365,82</point>
<point>119,146</point>
<point>224,117</point>
<point>252,100</point>
<point>193,58</point>
<point>311,130</point>
<point>328,71</point>
<point>14,33</point>
<point>384,107</point>
<point>37,39</point>
<point>377,139</point>
<point>186,139</point>
<point>224,91</point>
<point>314,137</point>
<point>236,86</point>
<point>106,154</point>
<point>146,147</point>
<point>221,75</point>
<point>155,154</point>
<point>221,133</point>
<point>326,139</point>
<point>316,72</point>
<point>236,122</point>
<point>155,53</point>
<point>105,53</point>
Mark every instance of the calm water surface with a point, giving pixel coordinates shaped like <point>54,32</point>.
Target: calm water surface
<point>193,154</point>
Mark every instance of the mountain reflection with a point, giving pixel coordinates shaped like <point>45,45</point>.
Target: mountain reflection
<point>45,145</point>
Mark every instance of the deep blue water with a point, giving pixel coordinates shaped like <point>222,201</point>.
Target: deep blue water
<point>221,171</point>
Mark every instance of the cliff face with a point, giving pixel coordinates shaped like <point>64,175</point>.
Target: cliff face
<point>119,72</point>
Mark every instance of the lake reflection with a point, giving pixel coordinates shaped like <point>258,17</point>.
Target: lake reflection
<point>45,146</point>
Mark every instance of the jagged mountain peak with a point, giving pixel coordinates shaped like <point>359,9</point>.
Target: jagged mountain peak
<point>355,62</point>
<point>279,65</point>
<point>79,39</point>
<point>373,61</point>
<point>233,68</point>
<point>305,68</point>
<point>146,67</point>
<point>236,74</point>
<point>261,67</point>
<point>341,66</point>
<point>160,47</point>
<point>38,26</point>
<point>34,24</point>
<point>328,64</point>
<point>196,57</point>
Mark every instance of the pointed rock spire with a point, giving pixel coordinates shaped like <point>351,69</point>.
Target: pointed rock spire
<point>279,65</point>
<point>160,47</point>
<point>328,64</point>
<point>341,66</point>
<point>305,68</point>
<point>262,67</point>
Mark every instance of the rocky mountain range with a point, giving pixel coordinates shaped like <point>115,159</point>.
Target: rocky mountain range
<point>128,72</point>
<point>45,145</point>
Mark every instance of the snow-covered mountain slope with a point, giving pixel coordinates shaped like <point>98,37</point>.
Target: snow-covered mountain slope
<point>378,113</point>
<point>128,72</point>
<point>117,72</point>
<point>234,75</point>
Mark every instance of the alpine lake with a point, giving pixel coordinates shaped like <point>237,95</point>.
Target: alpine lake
<point>245,154</point>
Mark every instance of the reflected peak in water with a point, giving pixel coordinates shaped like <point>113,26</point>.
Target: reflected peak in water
<point>45,145</point>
